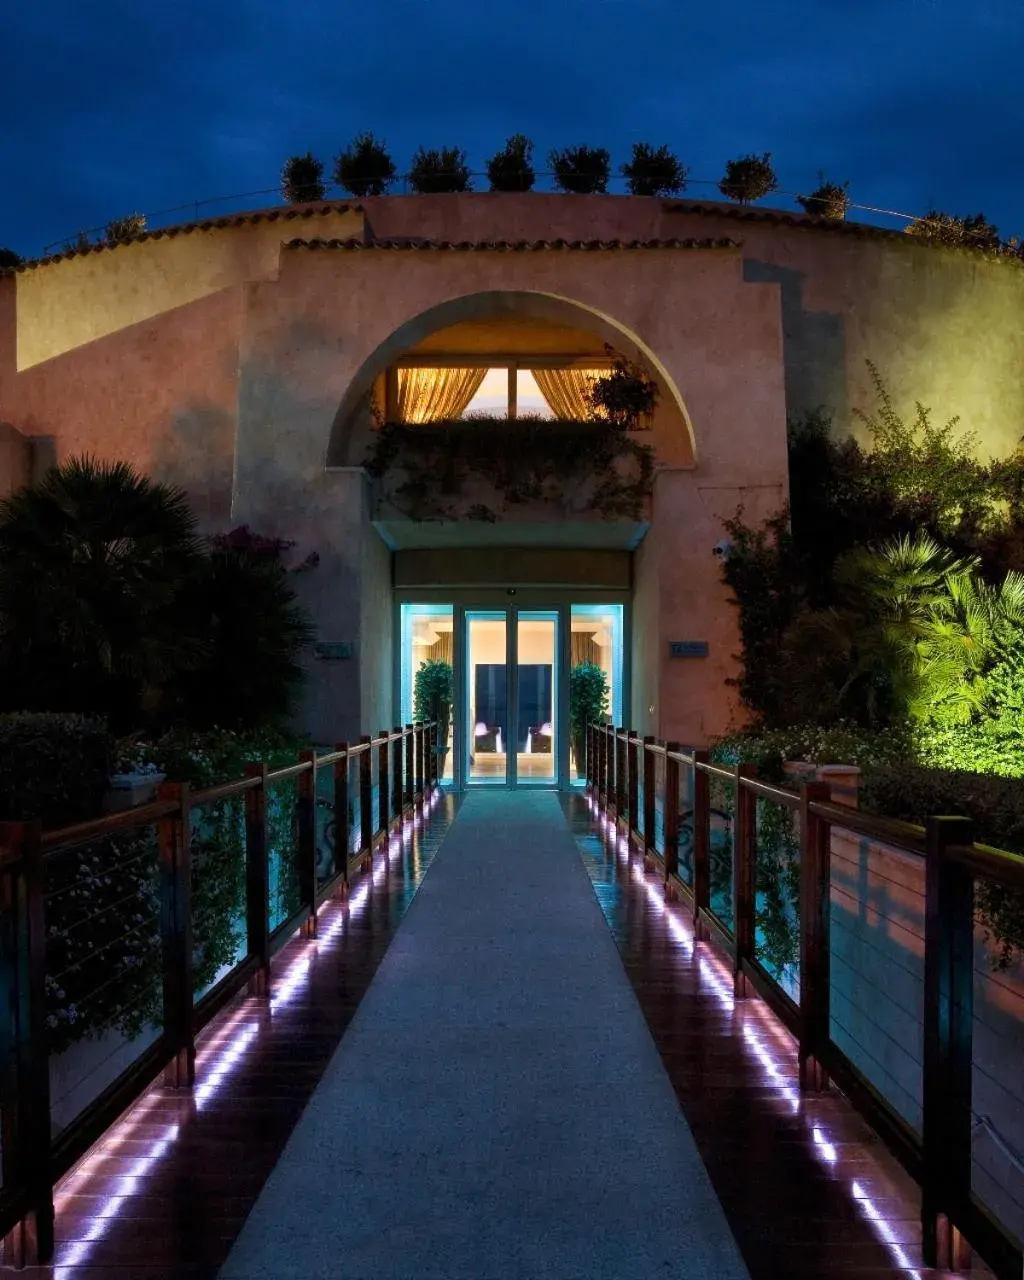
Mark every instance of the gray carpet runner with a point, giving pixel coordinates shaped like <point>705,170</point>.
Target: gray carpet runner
<point>497,1107</point>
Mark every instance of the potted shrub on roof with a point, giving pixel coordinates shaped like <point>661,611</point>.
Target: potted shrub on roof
<point>121,230</point>
<point>365,168</point>
<point>438,172</point>
<point>511,169</point>
<point>581,170</point>
<point>432,700</point>
<point>827,200</point>
<point>8,258</point>
<point>654,172</point>
<point>960,233</point>
<point>302,179</point>
<point>749,178</point>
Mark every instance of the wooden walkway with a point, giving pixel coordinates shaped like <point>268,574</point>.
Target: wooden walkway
<point>806,1189</point>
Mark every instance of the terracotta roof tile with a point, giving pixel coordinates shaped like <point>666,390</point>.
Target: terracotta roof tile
<point>285,214</point>
<point>507,246</point>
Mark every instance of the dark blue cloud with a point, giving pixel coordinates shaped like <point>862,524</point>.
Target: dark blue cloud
<point>115,106</point>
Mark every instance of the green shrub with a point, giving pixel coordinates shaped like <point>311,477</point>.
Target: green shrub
<point>959,233</point>
<point>511,169</point>
<point>588,704</point>
<point>827,200</point>
<point>53,767</point>
<point>654,172</point>
<point>439,172</point>
<point>749,178</point>
<point>913,792</point>
<point>365,168</point>
<point>581,170</point>
<point>243,604</point>
<point>121,230</point>
<point>302,179</point>
<point>8,259</point>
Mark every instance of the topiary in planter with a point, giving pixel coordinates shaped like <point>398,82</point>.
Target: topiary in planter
<point>121,230</point>
<point>827,200</point>
<point>749,178</point>
<point>511,169</point>
<point>439,172</point>
<point>581,170</point>
<point>302,179</point>
<point>654,172</point>
<point>365,168</point>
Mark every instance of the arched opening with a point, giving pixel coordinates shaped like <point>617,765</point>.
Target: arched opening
<point>519,340</point>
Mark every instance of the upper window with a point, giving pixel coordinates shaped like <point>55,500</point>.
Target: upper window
<point>422,392</point>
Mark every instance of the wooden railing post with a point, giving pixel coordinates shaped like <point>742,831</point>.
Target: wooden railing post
<point>744,877</point>
<point>670,808</point>
<point>432,759</point>
<point>948,1027</point>
<point>383,784</point>
<point>420,762</point>
<point>599,745</point>
<point>26,1114</point>
<point>175,838</point>
<point>397,781</point>
<point>257,880</point>
<point>342,831</point>
<point>632,785</point>
<point>409,792</point>
<point>366,796</point>
<point>701,842</point>
<point>649,773</point>
<point>815,911</point>
<point>620,771</point>
<point>307,840</point>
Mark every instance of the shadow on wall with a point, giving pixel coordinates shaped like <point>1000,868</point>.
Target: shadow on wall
<point>813,346</point>
<point>197,455</point>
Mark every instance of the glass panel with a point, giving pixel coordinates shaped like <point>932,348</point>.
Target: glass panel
<point>530,402</point>
<point>427,662</point>
<point>595,642</point>
<point>720,852</point>
<point>777,940</point>
<point>487,696</point>
<point>536,702</point>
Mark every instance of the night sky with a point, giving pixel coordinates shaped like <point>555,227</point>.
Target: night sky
<point>112,107</point>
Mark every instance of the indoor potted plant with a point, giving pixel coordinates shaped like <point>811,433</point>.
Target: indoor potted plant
<point>588,704</point>
<point>432,700</point>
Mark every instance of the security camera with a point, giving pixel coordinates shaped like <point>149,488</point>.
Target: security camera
<point>723,548</point>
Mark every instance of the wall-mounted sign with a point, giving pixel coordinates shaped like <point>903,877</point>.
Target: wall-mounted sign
<point>336,651</point>
<point>688,648</point>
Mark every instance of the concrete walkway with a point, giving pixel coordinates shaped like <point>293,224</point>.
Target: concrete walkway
<point>497,1107</point>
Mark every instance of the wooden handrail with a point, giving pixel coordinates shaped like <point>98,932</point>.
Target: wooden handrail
<point>952,861</point>
<point>31,1158</point>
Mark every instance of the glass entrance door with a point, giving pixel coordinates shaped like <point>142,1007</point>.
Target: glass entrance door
<point>511,726</point>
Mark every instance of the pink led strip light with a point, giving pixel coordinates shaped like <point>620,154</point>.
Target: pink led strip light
<point>218,1057</point>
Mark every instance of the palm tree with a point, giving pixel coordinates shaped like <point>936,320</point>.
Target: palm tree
<point>91,564</point>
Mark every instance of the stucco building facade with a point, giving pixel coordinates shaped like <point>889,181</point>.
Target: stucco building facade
<point>249,360</point>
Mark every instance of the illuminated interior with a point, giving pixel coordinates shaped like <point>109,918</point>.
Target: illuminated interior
<point>483,688</point>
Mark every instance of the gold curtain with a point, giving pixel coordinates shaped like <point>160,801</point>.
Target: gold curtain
<point>443,649</point>
<point>583,648</point>
<point>430,395</point>
<point>566,390</point>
